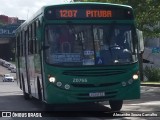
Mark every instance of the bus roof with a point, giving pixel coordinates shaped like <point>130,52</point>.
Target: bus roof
<point>90,3</point>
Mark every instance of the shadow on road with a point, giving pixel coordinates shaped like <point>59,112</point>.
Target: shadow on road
<point>17,103</point>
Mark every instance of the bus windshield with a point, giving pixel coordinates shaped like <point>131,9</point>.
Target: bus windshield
<point>82,45</point>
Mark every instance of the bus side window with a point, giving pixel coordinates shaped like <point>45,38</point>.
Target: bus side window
<point>30,42</point>
<point>36,45</point>
<point>33,36</point>
<point>18,45</point>
<point>22,44</point>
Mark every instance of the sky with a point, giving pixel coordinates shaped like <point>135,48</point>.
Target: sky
<point>23,9</point>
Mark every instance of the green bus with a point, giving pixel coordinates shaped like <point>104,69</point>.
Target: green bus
<point>79,53</point>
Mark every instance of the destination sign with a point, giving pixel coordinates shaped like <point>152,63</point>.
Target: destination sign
<point>88,13</point>
<point>85,12</point>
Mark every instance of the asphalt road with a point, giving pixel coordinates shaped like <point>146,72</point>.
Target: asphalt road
<point>11,99</point>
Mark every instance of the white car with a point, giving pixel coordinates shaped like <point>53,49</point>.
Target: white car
<point>11,66</point>
<point>13,70</point>
<point>8,78</point>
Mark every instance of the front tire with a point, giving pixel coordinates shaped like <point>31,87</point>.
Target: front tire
<point>48,107</point>
<point>39,90</point>
<point>26,95</point>
<point>116,105</point>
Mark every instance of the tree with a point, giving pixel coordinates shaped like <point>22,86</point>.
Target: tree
<point>147,14</point>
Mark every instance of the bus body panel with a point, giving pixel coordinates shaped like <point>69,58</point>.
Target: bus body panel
<point>110,85</point>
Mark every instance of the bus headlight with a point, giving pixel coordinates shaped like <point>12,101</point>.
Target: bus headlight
<point>52,79</point>
<point>135,77</point>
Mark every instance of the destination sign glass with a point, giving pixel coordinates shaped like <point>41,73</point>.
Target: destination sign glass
<point>91,12</point>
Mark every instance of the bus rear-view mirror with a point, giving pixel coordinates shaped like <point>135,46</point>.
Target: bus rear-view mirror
<point>140,41</point>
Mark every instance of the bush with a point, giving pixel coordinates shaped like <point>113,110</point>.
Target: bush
<point>152,74</point>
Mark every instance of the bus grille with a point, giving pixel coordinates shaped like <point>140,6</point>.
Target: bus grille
<point>94,73</point>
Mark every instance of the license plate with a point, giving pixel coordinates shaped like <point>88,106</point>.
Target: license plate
<point>97,94</point>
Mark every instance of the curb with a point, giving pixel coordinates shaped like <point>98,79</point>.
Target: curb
<point>151,85</point>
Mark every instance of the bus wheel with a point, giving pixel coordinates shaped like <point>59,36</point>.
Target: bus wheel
<point>39,90</point>
<point>47,107</point>
<point>116,105</point>
<point>26,95</point>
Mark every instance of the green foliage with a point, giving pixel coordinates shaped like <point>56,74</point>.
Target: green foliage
<point>153,74</point>
<point>147,14</point>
